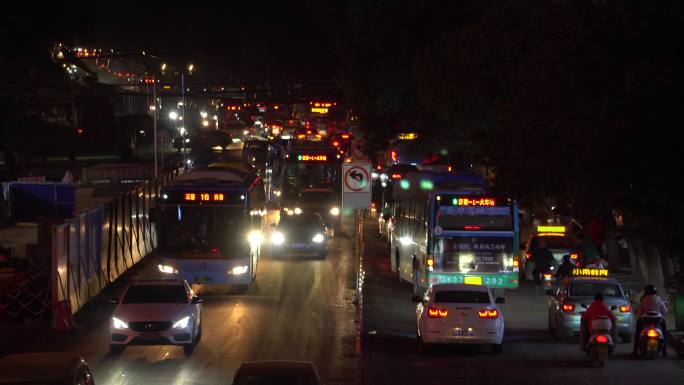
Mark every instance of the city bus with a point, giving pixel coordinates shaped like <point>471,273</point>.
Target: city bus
<point>304,164</point>
<point>447,229</point>
<point>209,225</point>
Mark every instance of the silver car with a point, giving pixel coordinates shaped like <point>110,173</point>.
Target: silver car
<point>573,296</point>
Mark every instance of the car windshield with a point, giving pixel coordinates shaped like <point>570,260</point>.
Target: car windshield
<point>138,294</point>
<point>589,289</point>
<point>303,221</point>
<point>461,296</point>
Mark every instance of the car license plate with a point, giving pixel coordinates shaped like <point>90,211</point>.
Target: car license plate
<point>150,336</point>
<point>299,245</point>
<point>463,333</point>
<point>202,279</point>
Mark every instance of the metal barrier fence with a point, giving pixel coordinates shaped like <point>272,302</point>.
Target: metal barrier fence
<point>93,249</point>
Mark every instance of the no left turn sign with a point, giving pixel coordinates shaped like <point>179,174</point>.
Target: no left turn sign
<point>357,179</point>
<point>356,185</point>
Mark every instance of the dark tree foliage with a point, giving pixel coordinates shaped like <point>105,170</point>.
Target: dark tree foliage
<point>573,99</point>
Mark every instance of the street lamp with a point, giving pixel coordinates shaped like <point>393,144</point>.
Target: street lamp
<point>191,67</point>
<point>173,115</point>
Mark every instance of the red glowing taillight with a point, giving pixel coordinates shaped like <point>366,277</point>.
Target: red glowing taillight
<point>652,333</point>
<point>568,308</point>
<point>301,136</point>
<point>396,176</point>
<point>215,250</point>
<point>435,312</point>
<point>336,144</point>
<point>472,227</point>
<point>625,309</point>
<point>345,136</point>
<point>488,313</point>
<point>601,339</point>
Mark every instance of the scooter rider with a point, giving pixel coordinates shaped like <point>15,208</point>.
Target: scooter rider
<point>650,302</point>
<point>542,258</point>
<point>596,309</point>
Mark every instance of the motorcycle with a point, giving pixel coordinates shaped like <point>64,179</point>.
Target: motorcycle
<point>601,343</point>
<point>651,339</point>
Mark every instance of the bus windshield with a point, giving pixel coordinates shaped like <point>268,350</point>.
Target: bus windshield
<point>306,175</point>
<point>202,228</point>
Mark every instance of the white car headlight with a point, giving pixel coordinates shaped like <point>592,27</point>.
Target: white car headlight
<point>118,324</point>
<point>318,238</point>
<point>167,269</point>
<point>278,238</point>
<point>297,210</point>
<point>182,323</point>
<point>239,270</point>
<point>335,211</point>
<point>254,237</point>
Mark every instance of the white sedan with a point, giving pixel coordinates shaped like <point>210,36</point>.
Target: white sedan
<point>162,311</point>
<point>459,314</point>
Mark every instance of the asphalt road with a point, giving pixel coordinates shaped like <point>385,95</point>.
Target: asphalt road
<point>530,356</point>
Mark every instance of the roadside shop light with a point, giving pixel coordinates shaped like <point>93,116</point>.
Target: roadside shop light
<point>118,324</point>
<point>182,323</point>
<point>239,270</point>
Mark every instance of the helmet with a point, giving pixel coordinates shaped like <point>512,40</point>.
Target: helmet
<point>650,290</point>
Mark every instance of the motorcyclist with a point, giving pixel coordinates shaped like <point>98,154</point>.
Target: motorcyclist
<point>650,302</point>
<point>542,258</point>
<point>597,309</point>
<point>565,269</point>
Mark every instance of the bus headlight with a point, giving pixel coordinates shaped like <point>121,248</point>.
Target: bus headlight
<point>167,269</point>
<point>182,323</point>
<point>297,210</point>
<point>254,237</point>
<point>239,270</point>
<point>335,211</point>
<point>278,238</point>
<point>318,238</point>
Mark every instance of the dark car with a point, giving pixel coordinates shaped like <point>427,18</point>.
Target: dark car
<point>300,235</point>
<point>277,372</point>
<point>324,201</point>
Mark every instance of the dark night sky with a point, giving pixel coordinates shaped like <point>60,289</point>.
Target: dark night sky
<point>230,38</point>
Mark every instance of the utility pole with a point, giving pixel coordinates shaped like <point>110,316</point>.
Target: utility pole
<point>154,102</point>
<point>183,115</point>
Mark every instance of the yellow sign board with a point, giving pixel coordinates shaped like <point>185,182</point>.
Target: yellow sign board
<point>551,229</point>
<point>319,110</point>
<point>472,280</point>
<point>408,136</point>
<point>590,272</point>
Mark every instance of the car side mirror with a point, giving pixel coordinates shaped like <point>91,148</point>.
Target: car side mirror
<point>113,300</point>
<point>195,300</point>
<point>550,292</point>
<point>416,299</point>
<point>628,293</point>
<point>500,300</point>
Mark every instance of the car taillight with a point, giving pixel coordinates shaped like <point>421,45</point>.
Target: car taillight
<point>396,176</point>
<point>215,250</point>
<point>435,312</point>
<point>652,333</point>
<point>601,339</point>
<point>568,308</point>
<point>488,314</point>
<point>574,256</point>
<point>547,277</point>
<point>335,143</point>
<point>625,309</point>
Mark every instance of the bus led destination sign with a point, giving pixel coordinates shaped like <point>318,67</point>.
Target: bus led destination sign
<point>203,197</point>
<point>474,202</point>
<point>312,157</point>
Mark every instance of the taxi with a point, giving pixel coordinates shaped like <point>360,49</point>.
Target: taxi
<point>557,241</point>
<point>575,294</point>
<point>459,314</point>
